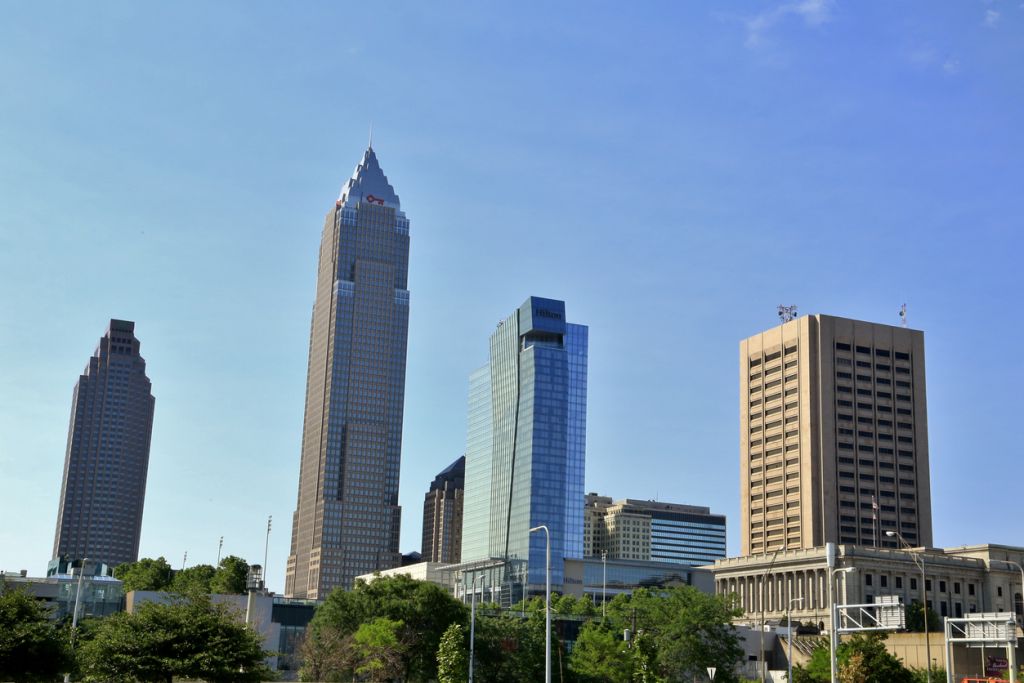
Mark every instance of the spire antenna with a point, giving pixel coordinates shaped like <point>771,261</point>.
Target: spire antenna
<point>370,143</point>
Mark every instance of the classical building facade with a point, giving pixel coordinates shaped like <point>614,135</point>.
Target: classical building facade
<point>347,517</point>
<point>833,436</point>
<point>958,581</point>
<point>442,515</point>
<point>107,459</point>
<point>526,445</point>
<point>649,530</point>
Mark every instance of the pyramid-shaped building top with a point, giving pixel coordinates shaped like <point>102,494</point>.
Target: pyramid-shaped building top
<point>368,183</point>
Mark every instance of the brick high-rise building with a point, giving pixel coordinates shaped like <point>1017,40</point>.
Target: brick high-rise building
<point>833,436</point>
<point>347,517</point>
<point>442,515</point>
<point>107,457</point>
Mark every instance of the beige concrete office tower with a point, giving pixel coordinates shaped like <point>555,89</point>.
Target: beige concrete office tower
<point>347,517</point>
<point>833,436</point>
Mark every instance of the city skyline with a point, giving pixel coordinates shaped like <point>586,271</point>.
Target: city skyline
<point>651,169</point>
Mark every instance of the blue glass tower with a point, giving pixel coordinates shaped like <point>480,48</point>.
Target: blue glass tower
<point>526,444</point>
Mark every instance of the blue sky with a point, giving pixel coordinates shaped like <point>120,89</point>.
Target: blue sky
<point>673,171</point>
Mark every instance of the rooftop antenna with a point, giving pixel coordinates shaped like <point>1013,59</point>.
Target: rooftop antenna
<point>370,143</point>
<point>903,315</point>
<point>787,313</point>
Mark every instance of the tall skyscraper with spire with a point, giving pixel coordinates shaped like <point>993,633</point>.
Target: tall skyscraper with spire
<point>107,457</point>
<point>347,518</point>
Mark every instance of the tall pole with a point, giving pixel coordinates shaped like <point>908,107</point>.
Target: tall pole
<point>789,623</point>
<point>74,617</point>
<point>266,547</point>
<point>604,584</point>
<point>764,580</point>
<point>834,614</point>
<point>831,627</point>
<point>547,603</point>
<point>919,561</point>
<point>472,628</point>
<point>220,546</point>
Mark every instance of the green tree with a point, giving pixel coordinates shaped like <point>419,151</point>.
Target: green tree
<point>510,649</point>
<point>915,618</point>
<point>231,576</point>
<point>687,630</point>
<point>32,647</point>
<point>861,659</point>
<point>452,660</point>
<point>194,580</point>
<point>600,655</point>
<point>145,575</point>
<point>188,638</point>
<point>379,649</point>
<point>425,611</point>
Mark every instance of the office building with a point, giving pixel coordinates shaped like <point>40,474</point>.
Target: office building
<point>525,446</point>
<point>648,530</point>
<point>104,486</point>
<point>833,436</point>
<point>347,517</point>
<point>958,581</point>
<point>442,515</point>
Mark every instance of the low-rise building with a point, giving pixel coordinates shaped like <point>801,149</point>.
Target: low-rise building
<point>651,530</point>
<point>958,581</point>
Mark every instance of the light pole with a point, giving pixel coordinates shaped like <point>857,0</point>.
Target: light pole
<point>547,604</point>
<point>764,580</point>
<point>789,624</point>
<point>472,628</point>
<point>604,583</point>
<point>833,639</point>
<point>74,617</point>
<point>919,561</point>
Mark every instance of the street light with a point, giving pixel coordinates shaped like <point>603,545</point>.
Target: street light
<point>547,604</point>
<point>789,624</point>
<point>833,640</point>
<point>472,628</point>
<point>919,561</point>
<point>74,617</point>
<point>604,583</point>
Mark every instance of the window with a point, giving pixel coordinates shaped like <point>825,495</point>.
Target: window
<point>928,584</point>
<point>884,353</point>
<point>885,580</point>
<point>956,587</point>
<point>913,584</point>
<point>902,356</point>
<point>970,589</point>
<point>867,579</point>
<point>863,349</point>
<point>999,591</point>
<point>942,586</point>
<point>899,582</point>
<point>842,346</point>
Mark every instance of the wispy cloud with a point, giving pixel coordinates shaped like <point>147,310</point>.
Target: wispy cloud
<point>992,18</point>
<point>812,12</point>
<point>951,66</point>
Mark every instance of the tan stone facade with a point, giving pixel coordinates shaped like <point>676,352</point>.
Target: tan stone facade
<point>959,580</point>
<point>833,436</point>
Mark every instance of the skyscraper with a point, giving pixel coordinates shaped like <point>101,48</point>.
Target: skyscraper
<point>833,436</point>
<point>347,517</point>
<point>526,444</point>
<point>107,457</point>
<point>442,515</point>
